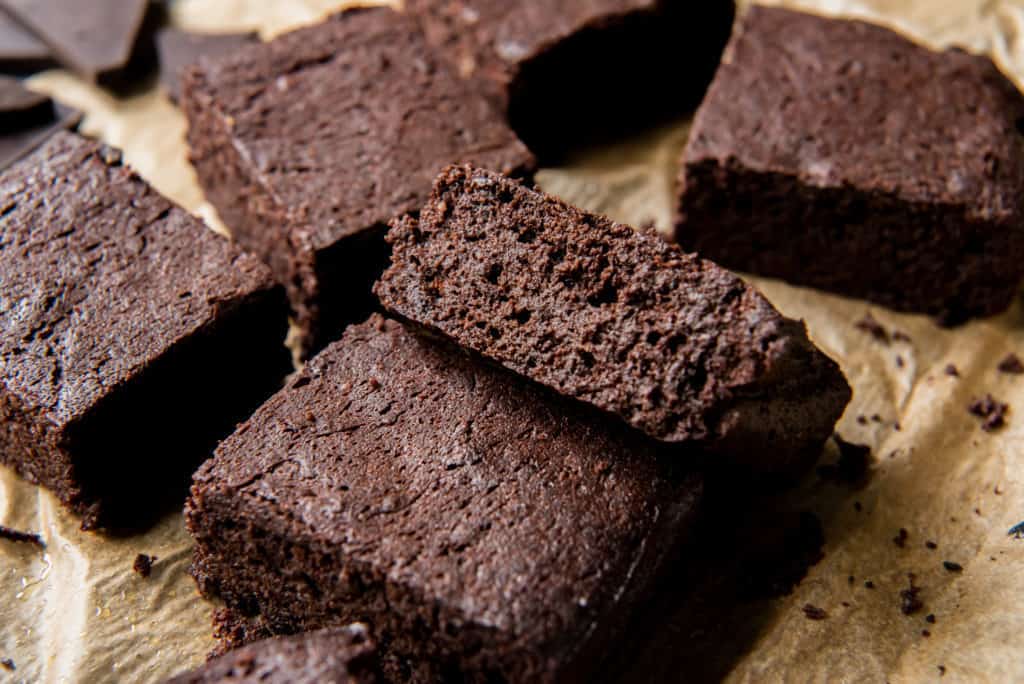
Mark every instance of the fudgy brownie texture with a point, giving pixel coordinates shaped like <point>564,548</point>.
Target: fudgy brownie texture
<point>340,655</point>
<point>544,60</point>
<point>676,346</point>
<point>484,528</point>
<point>131,337</point>
<point>309,144</point>
<point>840,155</point>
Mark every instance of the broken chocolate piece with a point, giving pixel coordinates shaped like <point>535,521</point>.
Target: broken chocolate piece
<point>20,51</point>
<point>17,144</point>
<point>20,107</point>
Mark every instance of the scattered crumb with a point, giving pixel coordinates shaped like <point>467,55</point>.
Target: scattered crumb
<point>877,418</point>
<point>900,336</point>
<point>900,539</point>
<point>931,545</point>
<point>899,361</point>
<point>992,412</point>
<point>850,580</point>
<point>8,664</point>
<point>1017,531</point>
<point>952,371</point>
<point>930,618</point>
<point>897,427</point>
<point>814,612</point>
<point>977,511</point>
<point>858,506</point>
<point>925,633</point>
<point>852,466</point>
<point>997,491</point>
<point>1012,365</point>
<point>952,567</point>
<point>910,599</point>
<point>863,420</point>
<point>869,325</point>
<point>942,670</point>
<point>869,584</point>
<point>23,537</point>
<point>144,564</point>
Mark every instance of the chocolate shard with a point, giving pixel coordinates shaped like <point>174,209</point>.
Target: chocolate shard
<point>674,345</point>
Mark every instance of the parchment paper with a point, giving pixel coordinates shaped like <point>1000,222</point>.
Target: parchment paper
<point>78,613</point>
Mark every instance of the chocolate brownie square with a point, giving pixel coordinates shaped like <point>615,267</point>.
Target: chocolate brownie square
<point>672,344</point>
<point>340,655</point>
<point>484,529</point>
<point>132,338</point>
<point>309,144</point>
<point>840,155</point>
<point>547,60</point>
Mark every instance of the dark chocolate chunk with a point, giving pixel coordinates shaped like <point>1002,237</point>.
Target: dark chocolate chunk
<point>143,564</point>
<point>952,567</point>
<point>132,329</point>
<point>813,612</point>
<point>20,51</point>
<point>94,43</point>
<point>14,145</point>
<point>342,655</point>
<point>1012,365</point>
<point>309,144</point>
<point>992,412</point>
<point>488,530</point>
<point>545,60</point>
<point>20,107</point>
<point>672,344</point>
<point>178,49</point>
<point>822,155</point>
<point>23,537</point>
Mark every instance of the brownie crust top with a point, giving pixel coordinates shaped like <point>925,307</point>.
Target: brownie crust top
<point>843,102</point>
<point>346,123</point>
<point>101,275</point>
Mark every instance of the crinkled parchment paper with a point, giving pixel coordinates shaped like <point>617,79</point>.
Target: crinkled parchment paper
<point>77,612</point>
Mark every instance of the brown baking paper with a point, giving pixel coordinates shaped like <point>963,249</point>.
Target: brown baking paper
<point>78,613</point>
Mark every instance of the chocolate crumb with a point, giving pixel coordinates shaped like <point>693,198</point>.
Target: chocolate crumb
<point>850,580</point>
<point>977,511</point>
<point>952,567</point>
<point>942,670</point>
<point>997,491</point>
<point>1017,531</point>
<point>144,564</point>
<point>910,599</point>
<point>991,411</point>
<point>863,420</point>
<point>952,371</point>
<point>1012,365</point>
<point>900,336</point>
<point>899,361</point>
<point>925,633</point>
<point>869,584</point>
<point>869,325</point>
<point>21,537</point>
<point>931,545</point>
<point>845,604</point>
<point>900,539</point>
<point>877,418</point>
<point>930,618</point>
<point>858,506</point>
<point>814,612</point>
<point>8,664</point>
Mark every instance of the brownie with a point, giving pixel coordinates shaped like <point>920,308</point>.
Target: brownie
<point>485,529</point>
<point>341,655</point>
<point>178,49</point>
<point>546,60</point>
<point>131,336</point>
<point>672,344</point>
<point>96,43</point>
<point>308,145</point>
<point>840,155</point>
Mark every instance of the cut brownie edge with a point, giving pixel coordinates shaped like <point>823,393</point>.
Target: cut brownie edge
<point>749,221</point>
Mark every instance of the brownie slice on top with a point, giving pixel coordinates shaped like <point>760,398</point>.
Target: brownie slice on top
<point>674,345</point>
<point>482,528</point>
<point>308,145</point>
<point>840,155</point>
<point>340,655</point>
<point>544,60</point>
<point>131,336</point>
